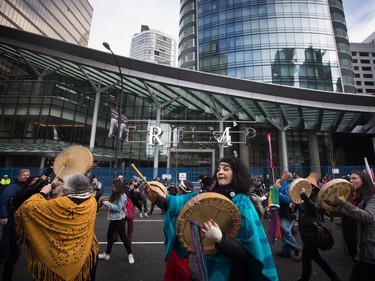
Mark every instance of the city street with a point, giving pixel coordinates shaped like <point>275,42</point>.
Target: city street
<point>149,253</point>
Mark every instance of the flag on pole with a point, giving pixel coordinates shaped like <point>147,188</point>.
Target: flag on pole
<point>270,148</point>
<point>369,171</point>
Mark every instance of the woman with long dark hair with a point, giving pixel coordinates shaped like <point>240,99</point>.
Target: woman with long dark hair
<point>309,213</point>
<point>116,216</point>
<point>245,257</point>
<point>364,214</point>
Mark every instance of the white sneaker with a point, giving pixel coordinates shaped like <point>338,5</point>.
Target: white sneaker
<point>131,258</point>
<point>140,215</point>
<point>104,256</point>
<point>146,215</point>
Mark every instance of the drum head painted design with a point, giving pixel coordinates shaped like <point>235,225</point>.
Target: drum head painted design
<point>295,188</point>
<point>333,188</point>
<point>200,209</point>
<point>73,160</point>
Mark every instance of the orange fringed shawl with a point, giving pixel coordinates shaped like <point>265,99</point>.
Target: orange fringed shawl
<point>60,237</point>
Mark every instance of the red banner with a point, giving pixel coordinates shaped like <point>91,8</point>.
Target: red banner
<point>270,148</point>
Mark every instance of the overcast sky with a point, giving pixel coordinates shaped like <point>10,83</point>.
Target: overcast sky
<point>116,21</point>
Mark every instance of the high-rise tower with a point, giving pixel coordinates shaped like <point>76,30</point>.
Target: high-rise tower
<point>69,20</point>
<point>294,43</point>
<point>153,46</point>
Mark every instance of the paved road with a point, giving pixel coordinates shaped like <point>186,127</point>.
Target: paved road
<point>149,252</point>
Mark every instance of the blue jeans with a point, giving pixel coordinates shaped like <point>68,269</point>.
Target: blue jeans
<point>288,242</point>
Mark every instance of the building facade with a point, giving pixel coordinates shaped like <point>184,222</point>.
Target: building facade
<point>370,39</point>
<point>68,21</point>
<point>364,66</point>
<point>294,43</point>
<point>153,46</point>
<point>65,94</point>
<point>61,94</point>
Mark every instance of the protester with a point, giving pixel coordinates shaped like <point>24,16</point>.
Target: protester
<point>116,205</point>
<point>245,257</point>
<point>143,199</point>
<point>152,203</point>
<point>4,182</point>
<point>309,214</point>
<point>97,189</point>
<point>205,183</point>
<point>59,233</point>
<point>288,215</point>
<point>134,194</point>
<point>267,182</point>
<point>129,217</point>
<point>172,189</point>
<point>364,214</point>
<point>177,267</point>
<point>9,258</point>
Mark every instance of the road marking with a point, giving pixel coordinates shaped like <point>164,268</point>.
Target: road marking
<point>135,243</point>
<point>148,220</point>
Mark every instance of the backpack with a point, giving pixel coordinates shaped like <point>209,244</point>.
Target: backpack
<point>130,210</point>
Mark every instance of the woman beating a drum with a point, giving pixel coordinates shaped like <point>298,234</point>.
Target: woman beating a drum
<point>364,214</point>
<point>59,233</point>
<point>177,266</point>
<point>309,213</point>
<point>248,255</point>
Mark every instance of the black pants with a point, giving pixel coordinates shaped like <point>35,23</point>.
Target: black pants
<point>136,201</point>
<point>119,226</point>
<point>14,254</point>
<point>363,271</point>
<point>349,230</point>
<point>311,253</point>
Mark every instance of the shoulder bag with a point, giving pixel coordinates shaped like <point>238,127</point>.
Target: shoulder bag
<point>325,237</point>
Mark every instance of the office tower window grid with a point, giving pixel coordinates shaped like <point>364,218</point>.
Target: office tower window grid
<point>69,20</point>
<point>283,42</point>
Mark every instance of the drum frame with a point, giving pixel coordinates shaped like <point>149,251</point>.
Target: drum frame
<point>194,207</point>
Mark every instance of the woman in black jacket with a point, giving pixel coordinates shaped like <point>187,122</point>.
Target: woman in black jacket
<point>308,215</point>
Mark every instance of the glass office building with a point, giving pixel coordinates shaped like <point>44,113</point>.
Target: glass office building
<point>302,44</point>
<point>68,20</point>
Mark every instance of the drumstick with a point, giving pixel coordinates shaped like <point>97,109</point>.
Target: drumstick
<point>65,163</point>
<point>139,174</point>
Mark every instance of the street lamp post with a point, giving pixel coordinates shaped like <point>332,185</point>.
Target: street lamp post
<point>117,145</point>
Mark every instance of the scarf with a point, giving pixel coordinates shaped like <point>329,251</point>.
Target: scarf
<point>60,237</point>
<point>175,204</point>
<point>251,236</point>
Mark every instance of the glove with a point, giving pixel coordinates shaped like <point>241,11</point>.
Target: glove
<point>214,233</point>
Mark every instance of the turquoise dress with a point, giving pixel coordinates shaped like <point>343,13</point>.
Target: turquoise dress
<point>251,236</point>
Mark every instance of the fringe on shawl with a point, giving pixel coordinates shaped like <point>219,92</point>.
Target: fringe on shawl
<point>41,272</point>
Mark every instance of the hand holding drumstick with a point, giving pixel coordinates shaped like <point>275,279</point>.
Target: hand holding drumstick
<point>158,191</point>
